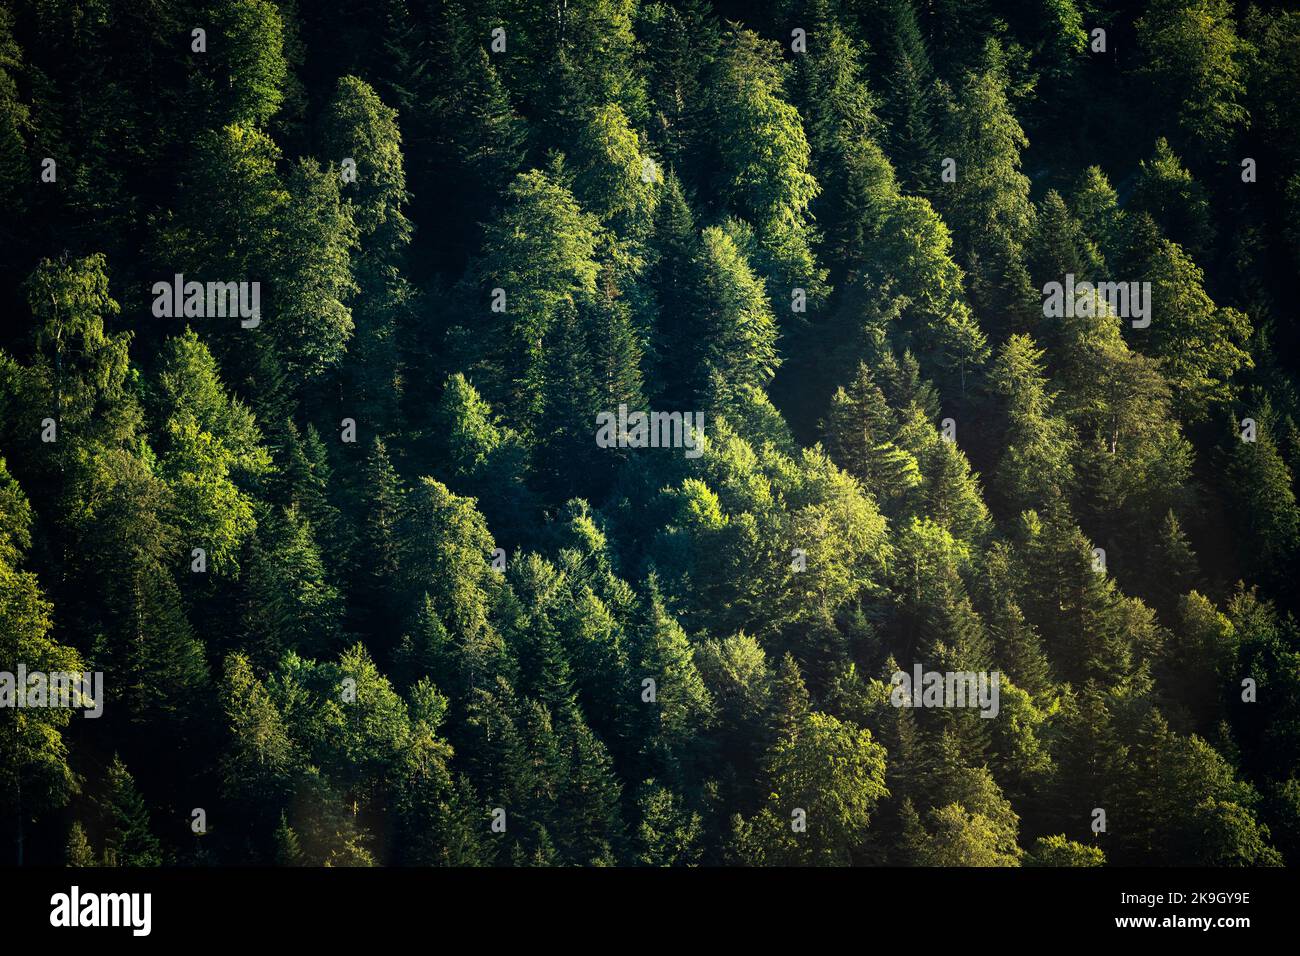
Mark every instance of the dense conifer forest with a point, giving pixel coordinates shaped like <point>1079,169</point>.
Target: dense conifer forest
<point>574,432</point>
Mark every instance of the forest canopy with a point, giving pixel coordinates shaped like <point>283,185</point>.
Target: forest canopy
<point>615,432</point>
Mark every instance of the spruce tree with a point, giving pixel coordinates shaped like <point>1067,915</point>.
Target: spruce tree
<point>129,841</point>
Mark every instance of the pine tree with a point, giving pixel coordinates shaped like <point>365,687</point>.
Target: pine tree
<point>835,773</point>
<point>259,761</point>
<point>1174,556</point>
<point>610,175</point>
<point>1035,463</point>
<point>484,458</point>
<point>1195,57</point>
<point>952,639</point>
<point>672,278</point>
<point>443,550</point>
<point>668,834</point>
<point>1016,644</point>
<point>291,605</point>
<point>82,367</point>
<point>1177,202</point>
<point>249,63</point>
<point>539,252</point>
<point>900,379</point>
<point>303,467</point>
<point>1096,205</point>
<point>288,848</point>
<point>359,127</point>
<point>914,254</point>
<point>79,852</point>
<point>209,439</point>
<point>126,553</point>
<point>1059,246</point>
<point>37,777</point>
<point>843,131</point>
<point>988,204</point>
<point>859,433</point>
<point>790,702</point>
<point>486,133</point>
<point>589,803</point>
<point>911,108</point>
<point>1264,502</point>
<point>737,327</point>
<point>312,273</point>
<point>752,119</point>
<point>573,59</point>
<point>683,708</point>
<point>381,500</point>
<point>680,43</point>
<point>1200,345</point>
<point>129,840</point>
<point>1074,606</point>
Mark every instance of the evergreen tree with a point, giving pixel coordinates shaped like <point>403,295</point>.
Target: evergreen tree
<point>753,119</point>
<point>360,128</point>
<point>737,328</point>
<point>249,64</point>
<point>912,106</point>
<point>1177,202</point>
<point>1200,345</point>
<point>1035,463</point>
<point>484,458</point>
<point>682,709</point>
<point>914,253</point>
<point>539,253</point>
<point>988,204</point>
<point>1196,59</point>
<point>129,840</point>
<point>79,852</point>
<point>843,131</point>
<point>668,834</point>
<point>1059,246</point>
<point>38,776</point>
<point>832,773</point>
<point>859,431</point>
<point>1264,502</point>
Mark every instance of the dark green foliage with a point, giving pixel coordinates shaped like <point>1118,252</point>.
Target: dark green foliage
<point>128,840</point>
<point>372,579</point>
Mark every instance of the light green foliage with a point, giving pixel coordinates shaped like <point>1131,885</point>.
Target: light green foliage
<point>1056,850</point>
<point>82,367</point>
<point>361,128</point>
<point>1195,56</point>
<point>859,433</point>
<point>914,255</point>
<point>1201,345</point>
<point>611,174</point>
<point>731,532</point>
<point>739,343</point>
<point>1265,496</point>
<point>248,44</point>
<point>209,439</point>
<point>1035,465</point>
<point>833,772</point>
<point>37,775</point>
<point>540,253</point>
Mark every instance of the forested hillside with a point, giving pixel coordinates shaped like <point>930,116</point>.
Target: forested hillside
<point>971,330</point>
